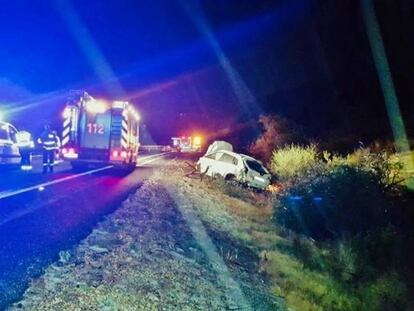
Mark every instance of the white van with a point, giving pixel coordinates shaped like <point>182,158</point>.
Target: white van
<point>9,151</point>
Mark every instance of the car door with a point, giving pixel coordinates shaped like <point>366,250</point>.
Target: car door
<point>209,164</point>
<point>228,165</point>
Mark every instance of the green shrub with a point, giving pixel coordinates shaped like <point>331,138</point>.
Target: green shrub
<point>387,169</point>
<point>344,202</point>
<point>351,206</point>
<point>341,275</point>
<point>388,292</point>
<point>294,161</point>
<point>304,289</point>
<point>343,263</point>
<point>308,253</point>
<point>334,196</point>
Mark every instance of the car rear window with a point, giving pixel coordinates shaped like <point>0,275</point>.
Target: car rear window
<point>211,156</point>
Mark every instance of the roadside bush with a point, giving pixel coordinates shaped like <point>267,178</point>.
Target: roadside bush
<point>308,253</point>
<point>305,289</point>
<point>344,202</point>
<point>386,293</point>
<point>277,132</point>
<point>334,196</point>
<point>353,260</point>
<point>345,213</point>
<point>388,170</point>
<point>342,262</point>
<point>294,162</point>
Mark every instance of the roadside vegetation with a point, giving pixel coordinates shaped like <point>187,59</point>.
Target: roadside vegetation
<point>336,235</point>
<point>277,132</point>
<point>348,220</point>
<point>337,232</point>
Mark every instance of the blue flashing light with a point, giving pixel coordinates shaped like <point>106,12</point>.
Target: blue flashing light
<point>296,198</point>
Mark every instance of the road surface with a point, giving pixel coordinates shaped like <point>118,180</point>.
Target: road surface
<point>43,214</point>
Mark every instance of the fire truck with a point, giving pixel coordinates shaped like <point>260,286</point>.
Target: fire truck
<point>187,143</point>
<point>99,132</point>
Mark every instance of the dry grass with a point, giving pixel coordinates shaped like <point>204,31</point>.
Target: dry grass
<point>246,217</point>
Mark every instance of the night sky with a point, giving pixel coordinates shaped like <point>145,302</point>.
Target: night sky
<point>192,66</point>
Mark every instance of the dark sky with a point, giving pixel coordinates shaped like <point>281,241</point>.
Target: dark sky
<point>207,63</point>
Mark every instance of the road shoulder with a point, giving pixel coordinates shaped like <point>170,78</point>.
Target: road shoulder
<point>153,253</point>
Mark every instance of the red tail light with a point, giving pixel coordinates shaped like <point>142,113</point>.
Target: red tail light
<point>69,153</point>
<point>115,153</point>
<point>123,154</point>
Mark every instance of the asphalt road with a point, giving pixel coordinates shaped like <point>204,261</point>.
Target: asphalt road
<point>41,215</point>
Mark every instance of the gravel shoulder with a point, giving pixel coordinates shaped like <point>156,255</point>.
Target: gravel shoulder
<point>158,251</point>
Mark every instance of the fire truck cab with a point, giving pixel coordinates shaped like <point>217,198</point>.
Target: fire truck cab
<point>100,132</point>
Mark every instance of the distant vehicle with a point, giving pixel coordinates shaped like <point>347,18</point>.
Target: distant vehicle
<point>99,132</point>
<point>221,160</point>
<point>9,150</point>
<point>187,143</point>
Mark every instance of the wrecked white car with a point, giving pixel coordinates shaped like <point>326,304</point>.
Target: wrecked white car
<point>221,160</point>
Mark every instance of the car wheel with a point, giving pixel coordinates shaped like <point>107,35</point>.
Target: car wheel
<point>232,180</point>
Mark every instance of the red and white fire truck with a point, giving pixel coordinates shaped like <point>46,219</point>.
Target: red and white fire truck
<point>100,132</point>
<point>187,143</point>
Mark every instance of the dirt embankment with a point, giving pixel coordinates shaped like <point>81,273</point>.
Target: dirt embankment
<point>156,252</point>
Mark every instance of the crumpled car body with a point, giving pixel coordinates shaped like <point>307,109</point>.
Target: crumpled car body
<point>234,166</point>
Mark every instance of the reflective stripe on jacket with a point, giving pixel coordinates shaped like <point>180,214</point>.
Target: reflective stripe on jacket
<point>24,140</point>
<point>49,141</point>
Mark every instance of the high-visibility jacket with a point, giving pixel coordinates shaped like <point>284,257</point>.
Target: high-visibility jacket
<point>24,139</point>
<point>49,141</point>
<point>58,142</point>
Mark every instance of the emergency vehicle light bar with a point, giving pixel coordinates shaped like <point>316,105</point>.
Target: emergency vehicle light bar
<point>119,104</point>
<point>95,106</point>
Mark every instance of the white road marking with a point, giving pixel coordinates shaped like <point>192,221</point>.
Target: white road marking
<point>151,156</point>
<point>22,212</point>
<point>42,186</point>
<point>152,159</point>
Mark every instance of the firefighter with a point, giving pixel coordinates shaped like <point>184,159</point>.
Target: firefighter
<point>26,145</point>
<point>50,143</point>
